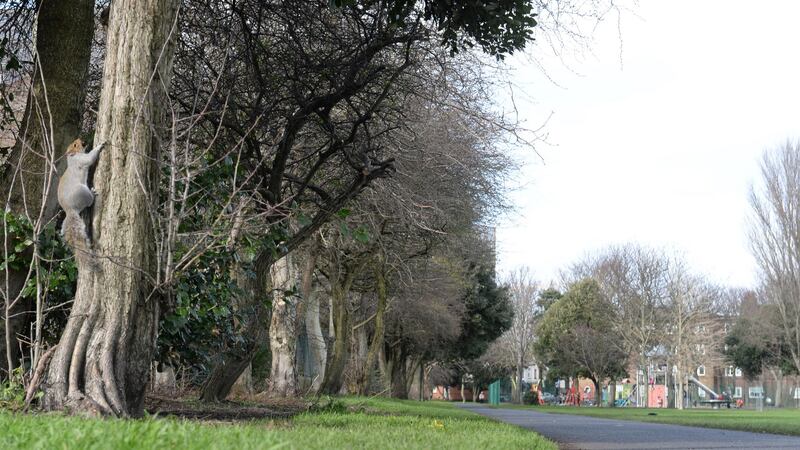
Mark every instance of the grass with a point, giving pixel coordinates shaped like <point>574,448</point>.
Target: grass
<point>778,421</point>
<point>359,423</point>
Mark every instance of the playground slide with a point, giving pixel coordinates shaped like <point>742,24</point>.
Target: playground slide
<point>702,386</point>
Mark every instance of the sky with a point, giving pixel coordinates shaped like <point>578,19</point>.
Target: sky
<point>653,132</point>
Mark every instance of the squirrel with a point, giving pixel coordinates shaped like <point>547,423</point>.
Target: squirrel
<point>74,196</point>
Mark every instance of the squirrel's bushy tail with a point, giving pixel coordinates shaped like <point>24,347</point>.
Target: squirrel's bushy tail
<point>74,232</point>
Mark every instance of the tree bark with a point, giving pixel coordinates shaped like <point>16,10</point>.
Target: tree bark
<point>598,392</point>
<point>777,375</point>
<point>316,341</point>
<point>51,120</point>
<point>397,366</point>
<point>378,333</point>
<point>612,393</point>
<point>334,372</point>
<point>518,390</point>
<point>243,387</point>
<point>282,337</point>
<point>102,364</point>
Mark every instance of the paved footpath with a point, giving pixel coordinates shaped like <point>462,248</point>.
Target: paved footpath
<point>582,432</point>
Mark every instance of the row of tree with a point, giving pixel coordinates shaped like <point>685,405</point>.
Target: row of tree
<point>260,156</point>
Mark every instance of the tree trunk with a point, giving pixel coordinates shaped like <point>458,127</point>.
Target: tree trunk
<point>646,387</point>
<point>518,391</point>
<point>51,120</point>
<point>399,380</point>
<point>243,387</point>
<point>377,336</point>
<point>316,341</point>
<point>334,372</point>
<point>598,392</point>
<point>317,353</point>
<point>282,337</point>
<point>679,400</point>
<point>411,370</point>
<point>778,377</point>
<point>422,383</point>
<point>102,364</point>
<point>612,393</point>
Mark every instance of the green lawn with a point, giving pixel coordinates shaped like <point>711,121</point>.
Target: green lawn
<point>366,423</point>
<point>780,421</point>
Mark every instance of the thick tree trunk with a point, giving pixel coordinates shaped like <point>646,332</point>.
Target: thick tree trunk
<point>679,400</point>
<point>51,120</point>
<point>598,392</point>
<point>377,337</point>
<point>400,379</point>
<point>334,372</point>
<point>243,387</point>
<point>282,337</point>
<point>316,341</point>
<point>612,393</point>
<point>102,364</point>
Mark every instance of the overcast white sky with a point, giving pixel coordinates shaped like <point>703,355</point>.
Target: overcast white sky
<point>659,141</point>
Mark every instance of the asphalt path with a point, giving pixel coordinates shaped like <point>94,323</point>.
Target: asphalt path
<point>582,432</point>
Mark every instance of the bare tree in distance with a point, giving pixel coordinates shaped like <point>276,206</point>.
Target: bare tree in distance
<point>692,327</point>
<point>517,342</point>
<point>775,237</point>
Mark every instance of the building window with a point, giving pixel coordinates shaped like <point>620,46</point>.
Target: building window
<point>729,371</point>
<point>701,371</point>
<point>737,392</point>
<point>738,372</point>
<point>700,348</point>
<point>755,392</point>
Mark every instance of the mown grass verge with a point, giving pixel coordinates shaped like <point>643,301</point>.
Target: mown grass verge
<point>361,423</point>
<point>778,421</point>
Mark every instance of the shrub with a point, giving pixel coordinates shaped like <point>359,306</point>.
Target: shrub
<point>531,398</point>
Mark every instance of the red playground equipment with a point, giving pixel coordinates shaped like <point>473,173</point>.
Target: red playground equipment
<point>573,396</point>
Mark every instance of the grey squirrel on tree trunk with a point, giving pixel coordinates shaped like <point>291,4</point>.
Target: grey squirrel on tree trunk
<point>74,196</point>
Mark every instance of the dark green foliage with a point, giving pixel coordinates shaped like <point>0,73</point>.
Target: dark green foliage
<point>750,358</point>
<point>12,391</point>
<point>531,398</point>
<point>755,342</point>
<point>548,297</point>
<point>201,318</point>
<point>498,27</point>
<point>484,373</point>
<point>20,243</point>
<point>576,335</point>
<point>489,313</point>
<point>57,272</point>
